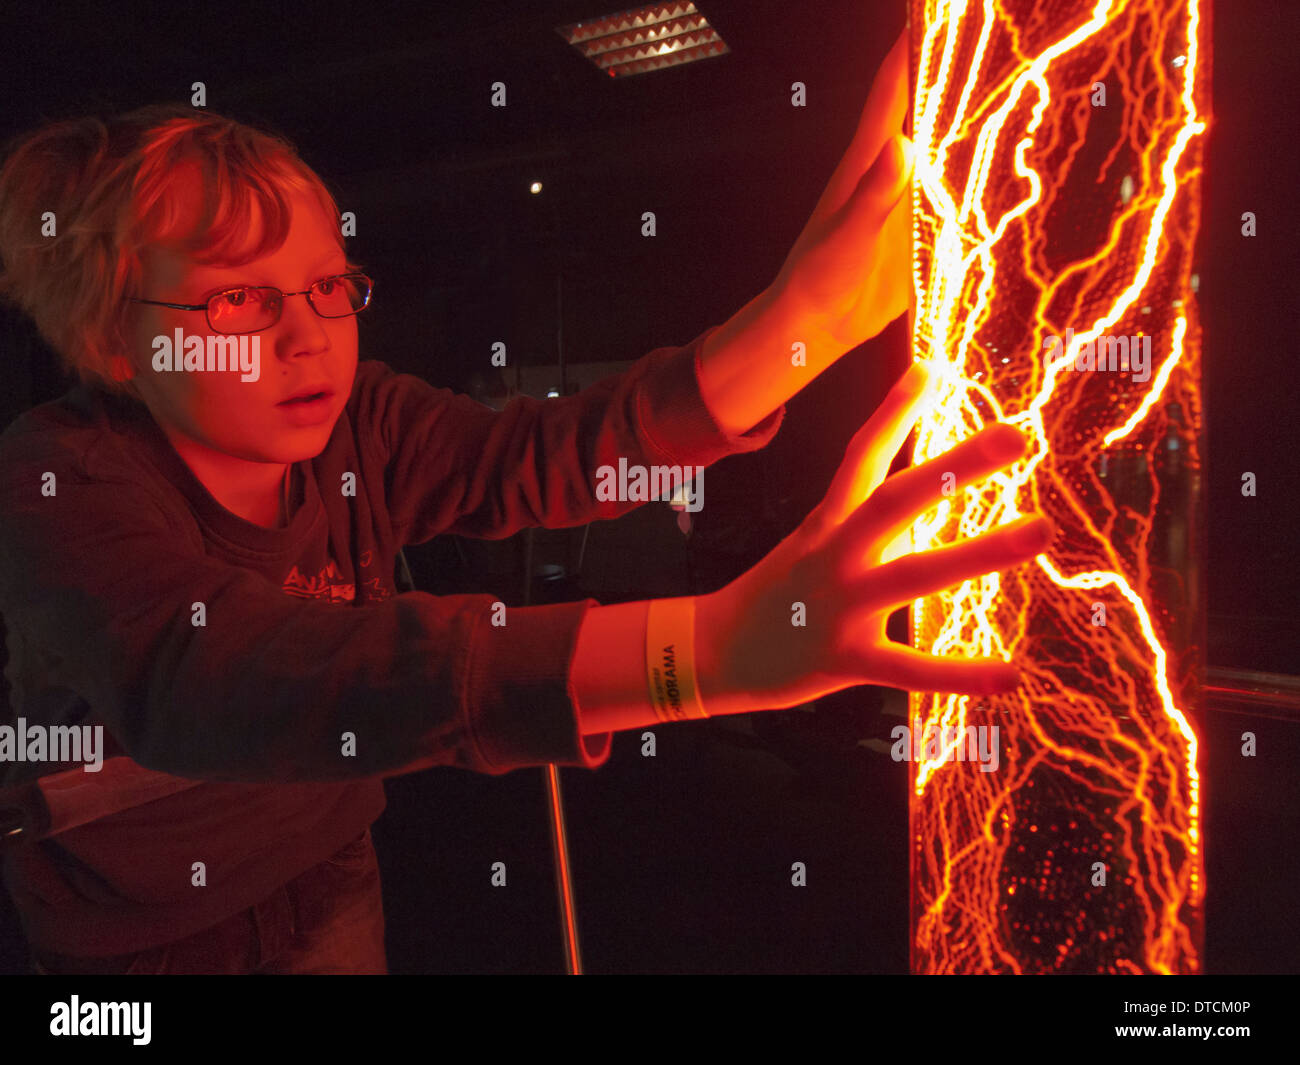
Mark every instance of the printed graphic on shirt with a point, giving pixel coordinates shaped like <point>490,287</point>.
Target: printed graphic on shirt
<point>329,584</point>
<point>376,588</point>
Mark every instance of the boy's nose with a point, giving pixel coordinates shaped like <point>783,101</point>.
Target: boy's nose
<point>300,327</point>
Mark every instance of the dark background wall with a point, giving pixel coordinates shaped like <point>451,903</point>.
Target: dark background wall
<point>682,860</point>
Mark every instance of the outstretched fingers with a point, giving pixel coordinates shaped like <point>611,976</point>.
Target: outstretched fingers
<point>907,495</point>
<point>912,670</point>
<point>871,451</point>
<point>888,587</point>
<point>882,117</point>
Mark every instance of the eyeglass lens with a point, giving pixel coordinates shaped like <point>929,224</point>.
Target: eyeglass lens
<point>248,310</point>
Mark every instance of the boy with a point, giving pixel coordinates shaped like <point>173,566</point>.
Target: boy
<point>197,543</point>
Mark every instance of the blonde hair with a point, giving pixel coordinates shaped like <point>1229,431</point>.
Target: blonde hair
<point>116,186</point>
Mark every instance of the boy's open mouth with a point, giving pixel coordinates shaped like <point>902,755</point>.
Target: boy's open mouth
<point>306,397</point>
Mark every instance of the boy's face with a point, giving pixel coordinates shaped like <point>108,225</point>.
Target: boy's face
<point>216,415</point>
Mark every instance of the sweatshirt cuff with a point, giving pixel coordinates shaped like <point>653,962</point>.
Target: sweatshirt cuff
<point>526,713</point>
<point>677,422</point>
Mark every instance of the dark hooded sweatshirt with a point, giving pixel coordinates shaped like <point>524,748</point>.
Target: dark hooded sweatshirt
<point>212,648</point>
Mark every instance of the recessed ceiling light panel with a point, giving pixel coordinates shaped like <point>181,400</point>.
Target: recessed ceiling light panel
<point>647,38</point>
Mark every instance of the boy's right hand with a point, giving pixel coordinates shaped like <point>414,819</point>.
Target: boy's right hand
<point>750,656</point>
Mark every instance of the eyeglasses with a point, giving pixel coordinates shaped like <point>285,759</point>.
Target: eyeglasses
<point>251,308</point>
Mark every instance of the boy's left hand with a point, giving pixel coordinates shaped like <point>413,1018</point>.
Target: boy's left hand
<point>849,273</point>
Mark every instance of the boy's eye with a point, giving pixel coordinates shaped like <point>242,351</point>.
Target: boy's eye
<point>327,286</point>
<point>236,299</point>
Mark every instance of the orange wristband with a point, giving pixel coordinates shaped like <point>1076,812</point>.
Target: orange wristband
<point>670,659</point>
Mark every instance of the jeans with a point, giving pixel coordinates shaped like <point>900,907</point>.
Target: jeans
<point>328,921</point>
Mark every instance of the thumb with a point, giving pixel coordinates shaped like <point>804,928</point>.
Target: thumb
<point>878,191</point>
<point>884,182</point>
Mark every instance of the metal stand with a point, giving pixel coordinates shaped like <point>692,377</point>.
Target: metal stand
<point>559,832</point>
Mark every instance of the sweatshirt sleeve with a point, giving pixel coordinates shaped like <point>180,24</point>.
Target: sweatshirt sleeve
<point>204,669</point>
<point>454,465</point>
<point>201,668</point>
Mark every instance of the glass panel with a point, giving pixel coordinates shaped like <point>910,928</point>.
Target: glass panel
<point>1056,203</point>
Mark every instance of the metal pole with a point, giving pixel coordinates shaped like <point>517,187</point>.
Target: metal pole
<point>563,874</point>
<point>559,831</point>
